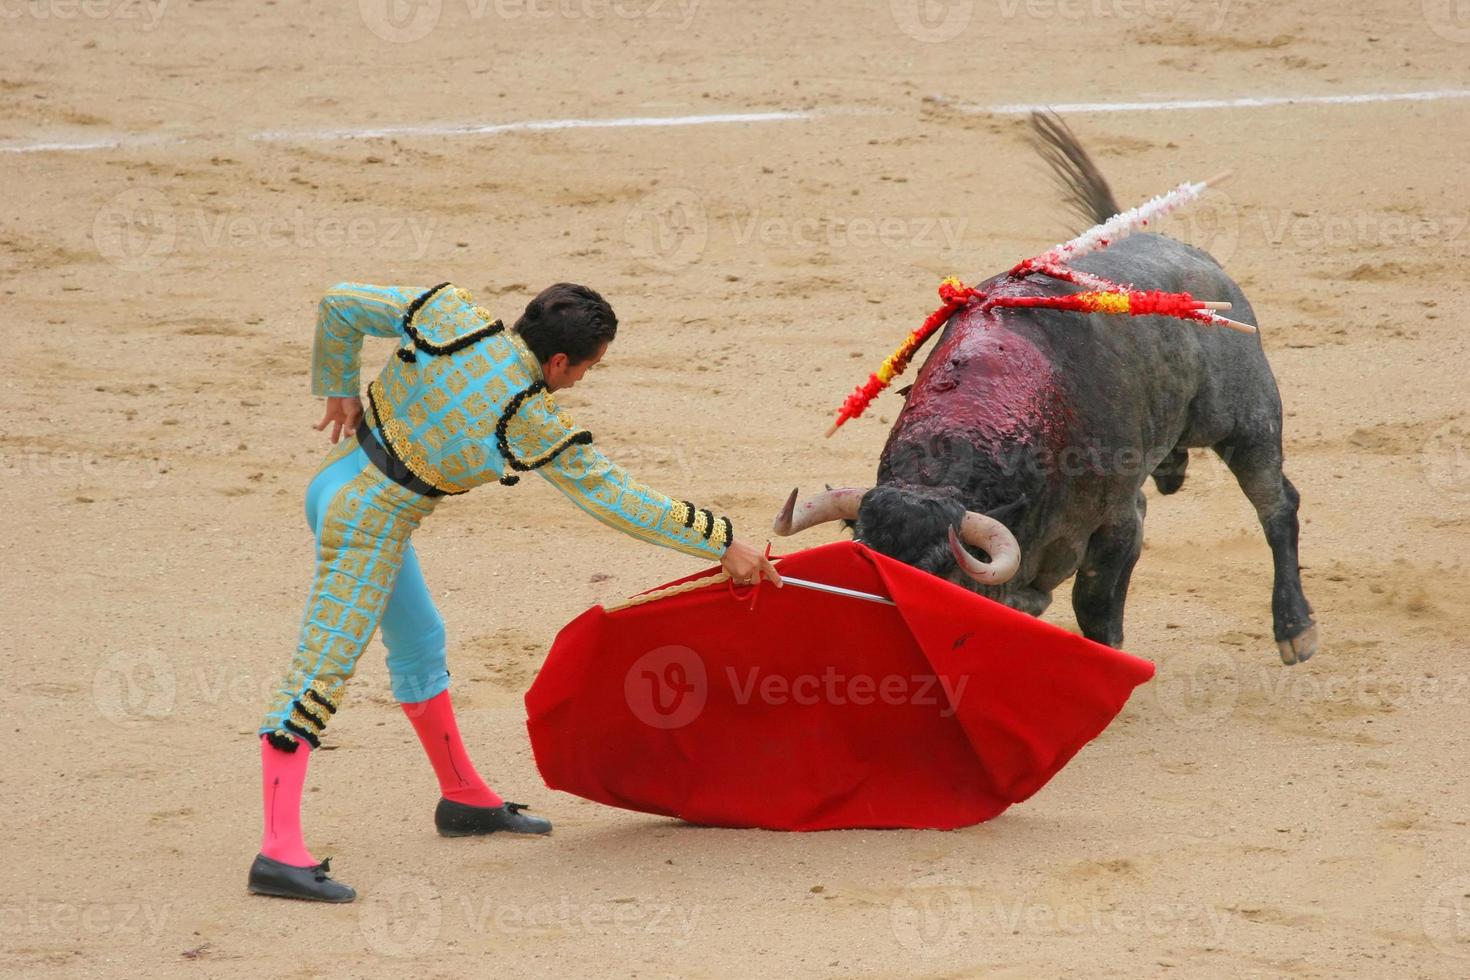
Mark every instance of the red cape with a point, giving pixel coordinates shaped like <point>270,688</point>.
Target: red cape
<point>813,711</point>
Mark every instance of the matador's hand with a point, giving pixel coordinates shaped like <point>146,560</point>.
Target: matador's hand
<point>343,414</point>
<point>747,566</point>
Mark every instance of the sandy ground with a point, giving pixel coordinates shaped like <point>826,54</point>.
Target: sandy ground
<point>1240,819</point>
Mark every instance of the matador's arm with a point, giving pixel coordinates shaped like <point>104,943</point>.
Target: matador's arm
<point>347,312</point>
<point>540,438</point>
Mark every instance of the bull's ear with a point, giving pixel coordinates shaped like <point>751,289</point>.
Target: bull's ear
<point>904,391</point>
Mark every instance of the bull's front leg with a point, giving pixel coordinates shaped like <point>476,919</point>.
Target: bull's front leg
<point>1101,588</point>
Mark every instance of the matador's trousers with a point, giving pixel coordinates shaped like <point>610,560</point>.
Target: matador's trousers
<point>366,575</point>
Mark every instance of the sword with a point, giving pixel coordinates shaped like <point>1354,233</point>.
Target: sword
<point>835,590</point>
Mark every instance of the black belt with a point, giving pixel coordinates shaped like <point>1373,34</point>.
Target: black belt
<point>390,465</point>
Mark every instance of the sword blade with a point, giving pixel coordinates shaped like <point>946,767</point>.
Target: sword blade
<point>836,590</point>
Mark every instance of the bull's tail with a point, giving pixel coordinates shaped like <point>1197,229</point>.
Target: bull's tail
<point>1087,191</point>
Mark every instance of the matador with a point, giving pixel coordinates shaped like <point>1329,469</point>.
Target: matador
<point>461,403</point>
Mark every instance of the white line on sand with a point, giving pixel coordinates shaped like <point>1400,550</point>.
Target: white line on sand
<point>441,129</point>
<point>636,122</point>
<point>1252,102</point>
<point>533,125</point>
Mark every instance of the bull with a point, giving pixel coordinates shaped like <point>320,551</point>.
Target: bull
<point>1024,443</point>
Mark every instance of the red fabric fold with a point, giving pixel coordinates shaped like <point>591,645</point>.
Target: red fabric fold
<point>814,711</point>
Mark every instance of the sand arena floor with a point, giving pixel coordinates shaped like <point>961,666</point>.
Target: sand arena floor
<point>160,270</point>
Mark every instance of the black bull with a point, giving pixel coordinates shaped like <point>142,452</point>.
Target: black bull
<point>1051,421</point>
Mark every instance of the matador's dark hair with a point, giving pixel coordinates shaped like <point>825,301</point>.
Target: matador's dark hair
<point>567,319</point>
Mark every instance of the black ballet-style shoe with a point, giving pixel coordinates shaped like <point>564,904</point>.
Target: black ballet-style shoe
<point>271,877</point>
<point>462,820</point>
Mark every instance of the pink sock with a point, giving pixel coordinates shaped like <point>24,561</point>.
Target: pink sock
<point>434,722</point>
<point>283,776</point>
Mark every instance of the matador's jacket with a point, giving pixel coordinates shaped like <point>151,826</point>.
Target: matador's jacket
<point>461,403</point>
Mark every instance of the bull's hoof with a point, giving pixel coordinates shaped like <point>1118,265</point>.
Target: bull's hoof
<point>1299,648</point>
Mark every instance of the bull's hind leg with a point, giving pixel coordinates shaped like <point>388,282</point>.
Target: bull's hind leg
<point>1101,588</point>
<point>1257,467</point>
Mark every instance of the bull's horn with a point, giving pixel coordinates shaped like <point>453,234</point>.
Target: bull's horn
<point>980,531</point>
<point>831,505</point>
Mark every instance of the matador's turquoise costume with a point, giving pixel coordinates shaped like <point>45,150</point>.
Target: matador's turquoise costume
<point>462,403</point>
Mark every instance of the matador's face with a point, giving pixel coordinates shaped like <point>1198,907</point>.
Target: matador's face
<point>561,373</point>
